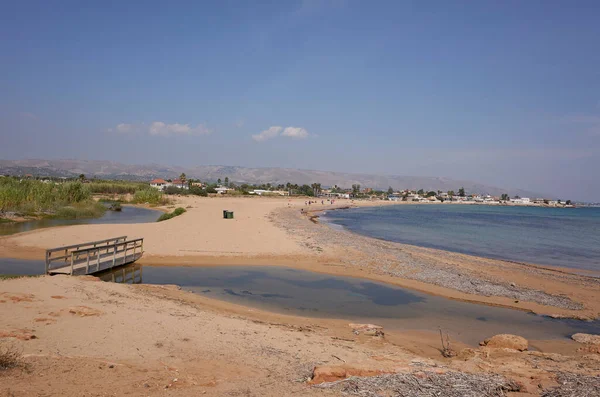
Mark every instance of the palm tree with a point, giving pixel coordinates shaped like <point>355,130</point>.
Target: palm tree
<point>316,188</point>
<point>183,178</point>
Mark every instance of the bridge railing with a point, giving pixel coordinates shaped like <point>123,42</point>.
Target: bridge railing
<point>61,257</point>
<point>118,252</point>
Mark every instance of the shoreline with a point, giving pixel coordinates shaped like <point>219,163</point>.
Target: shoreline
<point>552,268</point>
<point>313,246</point>
<point>192,344</point>
<point>197,345</point>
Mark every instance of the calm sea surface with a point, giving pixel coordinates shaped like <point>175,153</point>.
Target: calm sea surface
<point>546,236</point>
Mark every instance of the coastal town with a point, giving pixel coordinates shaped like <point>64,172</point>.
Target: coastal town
<point>355,192</point>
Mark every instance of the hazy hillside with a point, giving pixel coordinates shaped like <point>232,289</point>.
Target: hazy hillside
<point>109,169</point>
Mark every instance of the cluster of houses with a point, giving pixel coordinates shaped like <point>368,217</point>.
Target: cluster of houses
<point>162,184</point>
<point>475,199</point>
<point>404,195</point>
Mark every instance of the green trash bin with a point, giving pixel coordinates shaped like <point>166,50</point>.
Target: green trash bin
<point>225,214</point>
<point>229,214</point>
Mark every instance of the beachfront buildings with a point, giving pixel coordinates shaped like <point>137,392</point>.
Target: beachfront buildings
<point>521,200</point>
<point>223,190</point>
<point>260,192</point>
<point>180,184</point>
<point>335,195</point>
<point>159,184</point>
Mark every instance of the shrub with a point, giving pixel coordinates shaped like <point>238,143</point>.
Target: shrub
<point>198,191</point>
<point>178,211</point>
<point>10,357</point>
<point>175,190</point>
<point>150,196</point>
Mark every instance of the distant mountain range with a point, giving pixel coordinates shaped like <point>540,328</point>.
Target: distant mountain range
<point>114,170</point>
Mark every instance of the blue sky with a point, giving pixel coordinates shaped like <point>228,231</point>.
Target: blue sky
<point>505,93</point>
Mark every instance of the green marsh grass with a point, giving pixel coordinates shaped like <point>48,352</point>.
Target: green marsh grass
<point>37,198</point>
<point>149,196</point>
<point>178,211</point>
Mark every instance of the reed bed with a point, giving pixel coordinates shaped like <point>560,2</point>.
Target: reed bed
<point>116,187</point>
<point>37,198</point>
<point>149,196</point>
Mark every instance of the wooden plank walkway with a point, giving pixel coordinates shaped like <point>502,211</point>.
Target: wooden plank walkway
<point>93,257</point>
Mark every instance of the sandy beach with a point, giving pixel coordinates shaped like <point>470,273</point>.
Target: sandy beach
<point>279,231</point>
<point>158,339</point>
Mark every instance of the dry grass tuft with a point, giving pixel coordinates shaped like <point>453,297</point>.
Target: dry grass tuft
<point>426,384</point>
<point>574,385</point>
<point>10,356</point>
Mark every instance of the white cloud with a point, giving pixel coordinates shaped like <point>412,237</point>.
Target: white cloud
<point>275,131</point>
<point>159,128</point>
<point>272,132</point>
<point>164,129</point>
<point>125,128</point>
<point>295,132</point>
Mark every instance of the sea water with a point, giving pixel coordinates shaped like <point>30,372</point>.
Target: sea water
<point>566,237</point>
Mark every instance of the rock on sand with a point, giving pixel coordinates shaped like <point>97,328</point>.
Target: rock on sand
<point>586,338</point>
<point>506,341</point>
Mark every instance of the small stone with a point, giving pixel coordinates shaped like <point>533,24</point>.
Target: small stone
<point>111,366</point>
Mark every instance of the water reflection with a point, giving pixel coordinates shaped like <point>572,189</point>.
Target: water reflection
<point>128,214</point>
<point>129,274</point>
<point>305,293</point>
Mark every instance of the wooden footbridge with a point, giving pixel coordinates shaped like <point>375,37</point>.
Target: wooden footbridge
<point>93,257</point>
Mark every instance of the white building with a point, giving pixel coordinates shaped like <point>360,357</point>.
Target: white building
<point>521,201</point>
<point>159,184</point>
<point>260,192</point>
<point>223,190</point>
